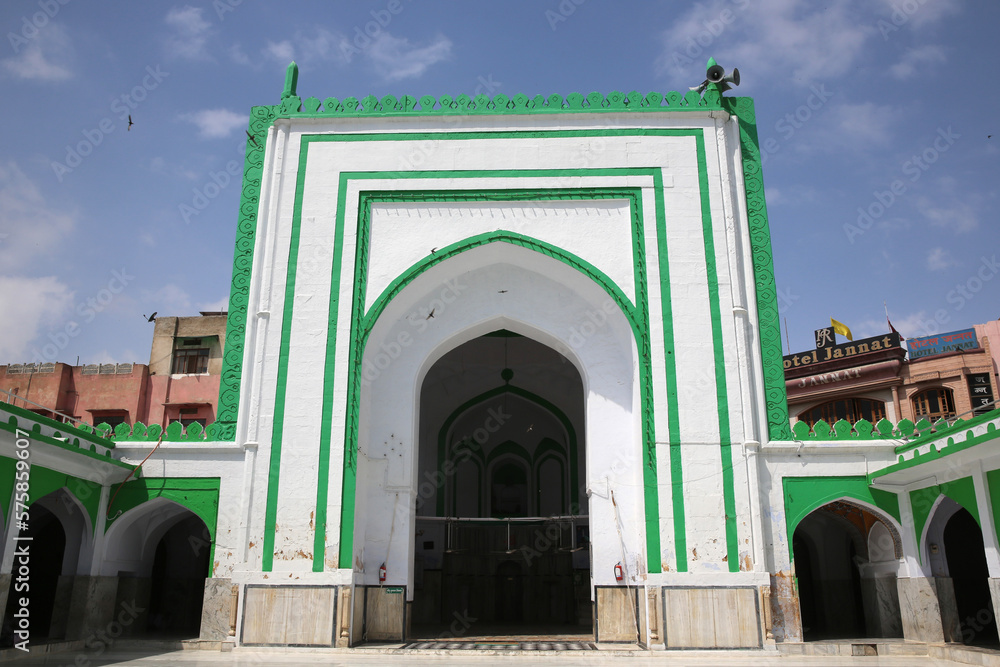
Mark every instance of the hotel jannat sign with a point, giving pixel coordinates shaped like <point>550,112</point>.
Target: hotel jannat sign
<point>828,350</point>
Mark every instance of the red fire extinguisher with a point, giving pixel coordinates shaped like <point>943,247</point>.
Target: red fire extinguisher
<point>381,573</point>
<point>619,573</point>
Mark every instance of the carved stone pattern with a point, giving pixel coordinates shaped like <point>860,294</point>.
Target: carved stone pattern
<point>767,298</point>
<point>429,105</point>
<point>261,119</point>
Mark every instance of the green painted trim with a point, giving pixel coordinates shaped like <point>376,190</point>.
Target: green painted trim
<point>8,475</point>
<point>200,495</point>
<point>640,329</point>
<point>548,406</point>
<point>962,491</point>
<point>768,323</point>
<point>718,345</point>
<point>993,488</point>
<point>957,426</point>
<point>261,119</point>
<point>37,421</point>
<point>349,481</point>
<point>444,455</point>
<point>803,495</point>
<point>11,426</point>
<point>277,434</point>
<point>550,449</point>
<point>427,105</point>
<point>991,434</point>
<point>670,367</point>
<point>44,481</point>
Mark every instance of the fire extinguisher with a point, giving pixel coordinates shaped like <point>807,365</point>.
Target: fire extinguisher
<point>619,573</point>
<point>381,574</point>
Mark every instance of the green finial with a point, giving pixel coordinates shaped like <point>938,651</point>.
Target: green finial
<point>711,63</point>
<point>291,80</point>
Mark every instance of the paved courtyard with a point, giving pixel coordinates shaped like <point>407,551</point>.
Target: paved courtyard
<point>282,658</point>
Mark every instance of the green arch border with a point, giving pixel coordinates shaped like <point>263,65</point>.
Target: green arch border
<point>922,501</point>
<point>198,495</point>
<point>804,495</point>
<point>541,402</point>
<point>501,236</point>
<point>637,315</point>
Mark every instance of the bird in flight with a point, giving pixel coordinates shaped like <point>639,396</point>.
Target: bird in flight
<point>430,314</point>
<point>151,317</point>
<point>130,123</point>
<point>250,137</point>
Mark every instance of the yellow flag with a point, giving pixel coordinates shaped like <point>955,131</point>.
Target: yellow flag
<point>839,327</point>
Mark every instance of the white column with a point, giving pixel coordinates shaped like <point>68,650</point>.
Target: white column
<point>986,520</point>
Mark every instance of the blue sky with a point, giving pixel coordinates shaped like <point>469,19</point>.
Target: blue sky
<point>874,115</point>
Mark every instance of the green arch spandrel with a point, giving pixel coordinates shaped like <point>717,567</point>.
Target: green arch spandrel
<point>962,491</point>
<point>198,494</point>
<point>805,494</point>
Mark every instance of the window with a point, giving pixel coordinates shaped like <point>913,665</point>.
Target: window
<point>934,404</point>
<point>112,417</point>
<point>191,361</point>
<point>851,409</point>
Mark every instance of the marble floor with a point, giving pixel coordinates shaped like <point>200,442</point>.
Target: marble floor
<point>376,656</point>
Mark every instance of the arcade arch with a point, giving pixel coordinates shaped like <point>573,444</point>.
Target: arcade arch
<point>846,559</point>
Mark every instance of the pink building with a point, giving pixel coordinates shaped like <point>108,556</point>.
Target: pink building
<point>180,383</point>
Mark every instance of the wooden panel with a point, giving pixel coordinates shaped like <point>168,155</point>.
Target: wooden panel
<point>616,614</point>
<point>711,618</point>
<point>384,612</point>
<point>289,615</point>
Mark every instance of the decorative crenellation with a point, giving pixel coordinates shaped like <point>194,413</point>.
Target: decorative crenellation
<point>139,432</point>
<point>863,429</point>
<point>464,105</point>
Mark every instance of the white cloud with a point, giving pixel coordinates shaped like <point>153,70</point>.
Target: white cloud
<point>29,307</point>
<point>127,356</point>
<point>168,300</point>
<point>215,123</point>
<point>395,58</point>
<point>959,217</point>
<point>321,45</point>
<point>917,14</point>
<point>282,51</point>
<point>29,226</point>
<point>215,306</point>
<point>865,124</point>
<point>914,59</point>
<point>190,33</point>
<point>238,56</point>
<point>776,39</point>
<point>45,57</point>
<point>939,259</point>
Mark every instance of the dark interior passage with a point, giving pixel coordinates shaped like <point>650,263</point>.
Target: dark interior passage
<point>966,555</point>
<point>177,584</point>
<point>45,540</point>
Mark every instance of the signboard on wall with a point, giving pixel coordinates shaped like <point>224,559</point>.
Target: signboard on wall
<point>980,392</point>
<point>843,351</point>
<point>928,346</point>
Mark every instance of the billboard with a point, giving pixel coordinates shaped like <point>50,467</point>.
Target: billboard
<point>928,346</point>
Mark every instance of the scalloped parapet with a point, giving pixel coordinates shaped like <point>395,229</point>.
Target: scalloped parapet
<point>292,105</point>
<point>865,430</point>
<point>175,432</point>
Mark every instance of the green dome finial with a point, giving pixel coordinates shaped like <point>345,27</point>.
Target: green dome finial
<point>291,80</point>
<point>711,63</point>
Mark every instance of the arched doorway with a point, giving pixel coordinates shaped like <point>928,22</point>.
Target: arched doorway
<point>160,551</point>
<point>846,559</point>
<point>554,305</point>
<point>500,544</point>
<point>59,532</point>
<point>966,558</point>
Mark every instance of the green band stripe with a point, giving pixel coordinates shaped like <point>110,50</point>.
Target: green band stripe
<point>721,389</point>
<point>349,481</point>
